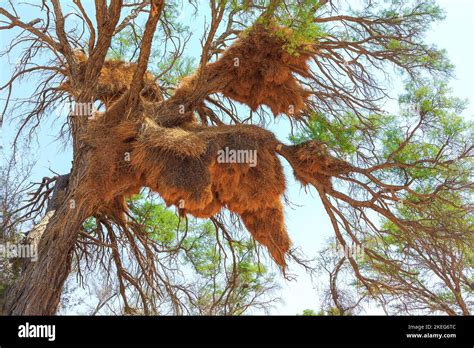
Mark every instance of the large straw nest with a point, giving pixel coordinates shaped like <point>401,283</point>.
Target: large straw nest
<point>192,178</point>
<point>181,163</point>
<point>258,70</point>
<point>114,80</point>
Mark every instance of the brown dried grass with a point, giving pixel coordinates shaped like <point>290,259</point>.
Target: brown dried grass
<point>312,164</point>
<point>114,80</point>
<point>257,70</point>
<point>181,164</point>
<point>195,177</point>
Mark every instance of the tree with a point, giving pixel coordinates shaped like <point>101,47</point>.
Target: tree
<point>418,259</point>
<point>319,63</point>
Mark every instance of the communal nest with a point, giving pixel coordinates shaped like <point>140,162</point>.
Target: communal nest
<point>259,70</point>
<point>114,80</point>
<point>181,163</point>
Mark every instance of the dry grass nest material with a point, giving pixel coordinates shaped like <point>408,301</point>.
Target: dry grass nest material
<point>191,176</point>
<point>181,164</point>
<point>257,70</point>
<point>114,80</point>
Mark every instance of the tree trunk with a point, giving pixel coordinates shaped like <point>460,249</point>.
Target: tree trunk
<point>38,290</point>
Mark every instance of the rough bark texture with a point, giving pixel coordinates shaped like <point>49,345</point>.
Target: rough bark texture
<point>38,290</point>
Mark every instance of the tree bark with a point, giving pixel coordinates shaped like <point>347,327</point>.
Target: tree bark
<point>38,290</point>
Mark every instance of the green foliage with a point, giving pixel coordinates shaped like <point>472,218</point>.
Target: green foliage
<point>310,313</point>
<point>428,144</point>
<point>341,135</point>
<point>248,276</point>
<point>414,17</point>
<point>183,66</point>
<point>123,46</point>
<point>333,311</point>
<point>298,17</point>
<point>440,123</point>
<point>158,222</point>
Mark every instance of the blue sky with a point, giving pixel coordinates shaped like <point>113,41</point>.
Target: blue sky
<point>306,220</point>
